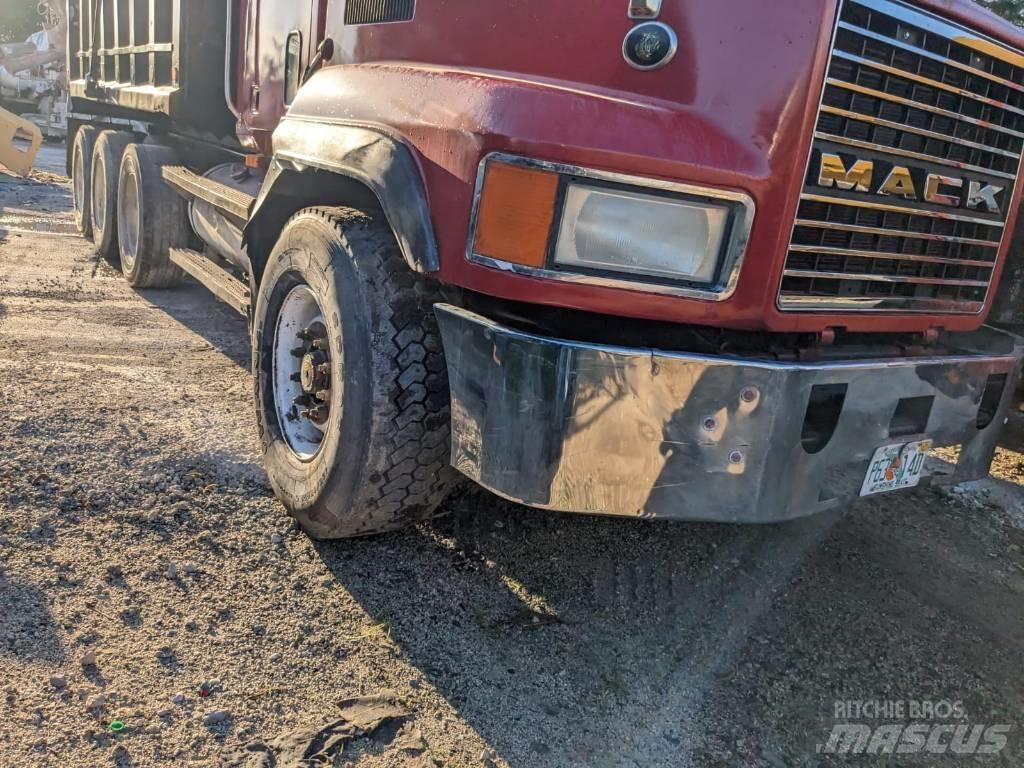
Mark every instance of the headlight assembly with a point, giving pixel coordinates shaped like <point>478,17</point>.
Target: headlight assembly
<point>579,225</point>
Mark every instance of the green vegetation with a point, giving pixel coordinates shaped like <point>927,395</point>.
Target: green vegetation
<point>1010,9</point>
<point>18,20</point>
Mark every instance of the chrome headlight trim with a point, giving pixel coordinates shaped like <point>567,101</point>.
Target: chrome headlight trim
<point>733,254</point>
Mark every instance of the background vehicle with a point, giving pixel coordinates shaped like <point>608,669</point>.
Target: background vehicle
<point>633,259</point>
<point>33,74</point>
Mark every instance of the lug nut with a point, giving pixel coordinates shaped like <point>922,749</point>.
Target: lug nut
<point>303,400</point>
<point>296,377</point>
<point>318,414</point>
<point>299,352</point>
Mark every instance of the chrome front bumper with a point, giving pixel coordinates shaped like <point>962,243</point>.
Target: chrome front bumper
<point>644,433</point>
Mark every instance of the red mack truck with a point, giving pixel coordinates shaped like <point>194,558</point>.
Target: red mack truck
<point>656,258</point>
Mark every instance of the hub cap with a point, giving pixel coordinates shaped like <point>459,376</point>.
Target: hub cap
<point>128,215</point>
<point>302,372</point>
<point>78,182</point>
<point>99,194</point>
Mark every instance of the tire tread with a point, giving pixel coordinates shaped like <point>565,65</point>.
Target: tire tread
<point>408,473</point>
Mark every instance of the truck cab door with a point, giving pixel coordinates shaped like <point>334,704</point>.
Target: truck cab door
<point>280,38</point>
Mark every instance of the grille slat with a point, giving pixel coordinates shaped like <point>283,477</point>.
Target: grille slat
<point>963,71</point>
<point>903,257</point>
<point>901,209</point>
<point>895,233</point>
<point>906,75</point>
<point>921,106</point>
<point>918,115</point>
<point>882,278</point>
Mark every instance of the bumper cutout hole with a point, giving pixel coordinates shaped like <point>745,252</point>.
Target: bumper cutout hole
<point>823,410</point>
<point>911,417</point>
<point>990,400</point>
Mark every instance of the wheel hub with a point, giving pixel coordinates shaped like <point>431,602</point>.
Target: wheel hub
<point>302,372</point>
<point>314,375</point>
<point>315,372</point>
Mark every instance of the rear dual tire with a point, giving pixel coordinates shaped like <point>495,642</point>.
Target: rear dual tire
<point>81,177</point>
<point>105,171</point>
<point>151,218</point>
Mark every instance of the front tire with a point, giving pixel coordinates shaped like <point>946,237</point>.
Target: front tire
<point>351,383</point>
<point>81,177</point>
<point>106,169</point>
<point>151,218</point>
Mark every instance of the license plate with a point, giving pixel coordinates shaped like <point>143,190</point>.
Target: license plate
<point>895,466</point>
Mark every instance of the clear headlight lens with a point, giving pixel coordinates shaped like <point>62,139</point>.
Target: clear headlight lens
<point>622,231</point>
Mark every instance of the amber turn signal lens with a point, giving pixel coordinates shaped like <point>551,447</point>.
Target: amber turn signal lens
<point>517,207</point>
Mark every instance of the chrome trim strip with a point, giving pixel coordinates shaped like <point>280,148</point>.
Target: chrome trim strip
<point>914,155</point>
<point>900,209</point>
<point>860,229</point>
<point>883,278</point>
<point>926,81</point>
<point>735,251</point>
<point>919,131</point>
<point>929,55</point>
<point>919,105</point>
<point>895,305</point>
<point>830,251</point>
<point>229,56</point>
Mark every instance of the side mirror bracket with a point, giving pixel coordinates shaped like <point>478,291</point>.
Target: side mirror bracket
<point>324,53</point>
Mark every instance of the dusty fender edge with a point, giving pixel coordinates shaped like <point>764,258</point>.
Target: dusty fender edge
<point>371,157</point>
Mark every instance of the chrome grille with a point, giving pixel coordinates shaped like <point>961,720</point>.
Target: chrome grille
<point>906,88</point>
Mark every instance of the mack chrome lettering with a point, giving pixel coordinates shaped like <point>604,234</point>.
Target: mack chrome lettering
<point>859,175</point>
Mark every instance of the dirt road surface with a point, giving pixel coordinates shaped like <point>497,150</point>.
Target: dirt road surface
<point>148,576</point>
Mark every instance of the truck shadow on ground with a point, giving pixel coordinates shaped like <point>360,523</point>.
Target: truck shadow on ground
<point>567,640</point>
<point>220,326</point>
<point>27,629</point>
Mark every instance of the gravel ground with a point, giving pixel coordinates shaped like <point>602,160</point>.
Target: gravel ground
<point>147,575</point>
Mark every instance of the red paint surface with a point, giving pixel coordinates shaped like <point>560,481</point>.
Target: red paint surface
<point>734,109</point>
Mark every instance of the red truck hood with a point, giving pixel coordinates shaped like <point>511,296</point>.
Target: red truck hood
<point>735,109</point>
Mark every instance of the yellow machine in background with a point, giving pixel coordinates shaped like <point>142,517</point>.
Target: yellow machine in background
<point>19,142</point>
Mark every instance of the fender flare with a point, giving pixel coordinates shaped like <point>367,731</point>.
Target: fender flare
<point>372,158</point>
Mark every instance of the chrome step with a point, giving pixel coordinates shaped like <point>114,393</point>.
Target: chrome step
<point>218,280</point>
<point>193,186</point>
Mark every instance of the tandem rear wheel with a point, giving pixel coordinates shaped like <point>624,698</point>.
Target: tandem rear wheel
<point>81,177</point>
<point>350,380</point>
<point>151,218</point>
<point>105,168</point>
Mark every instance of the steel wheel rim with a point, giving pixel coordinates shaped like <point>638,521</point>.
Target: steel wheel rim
<point>78,183</point>
<point>301,342</point>
<point>128,215</point>
<point>99,195</point>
